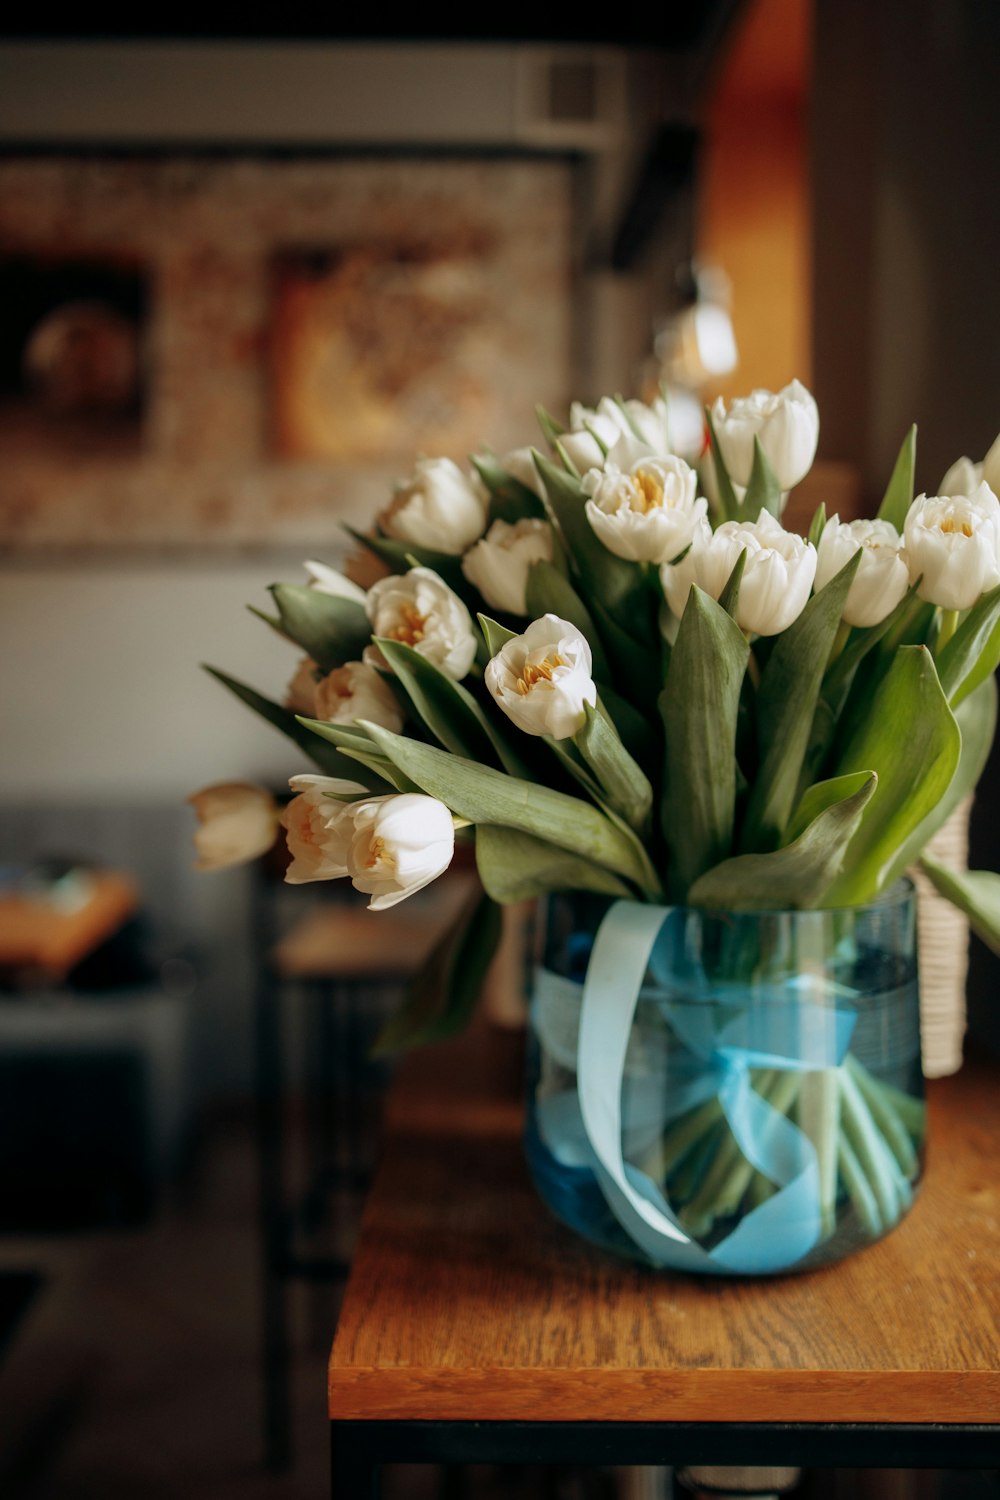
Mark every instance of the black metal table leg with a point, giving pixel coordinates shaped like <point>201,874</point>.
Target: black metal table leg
<point>357,1473</point>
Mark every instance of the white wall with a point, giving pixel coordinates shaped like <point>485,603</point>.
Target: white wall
<point>101,689</point>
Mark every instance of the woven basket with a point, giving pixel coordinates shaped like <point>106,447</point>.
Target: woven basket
<point>944,952</point>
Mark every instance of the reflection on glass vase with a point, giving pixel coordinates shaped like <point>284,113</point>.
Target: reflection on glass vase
<point>727,1092</point>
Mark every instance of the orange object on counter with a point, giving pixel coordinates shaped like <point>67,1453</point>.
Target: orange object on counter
<point>41,933</point>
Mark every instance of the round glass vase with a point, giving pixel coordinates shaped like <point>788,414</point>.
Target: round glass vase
<point>764,1109</point>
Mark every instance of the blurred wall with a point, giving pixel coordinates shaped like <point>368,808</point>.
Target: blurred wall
<point>753,214</point>
<point>906,209</point>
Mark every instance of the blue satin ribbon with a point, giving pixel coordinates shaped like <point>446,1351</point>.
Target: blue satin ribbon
<point>801,1027</point>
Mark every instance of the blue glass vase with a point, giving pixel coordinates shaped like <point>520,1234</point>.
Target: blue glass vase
<point>753,1105</point>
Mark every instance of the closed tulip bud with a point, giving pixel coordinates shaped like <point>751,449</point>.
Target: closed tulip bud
<point>882,577</point>
<point>398,844</point>
<point>787,424</point>
<point>777,576</point>
<point>326,580</point>
<point>542,679</point>
<point>237,822</point>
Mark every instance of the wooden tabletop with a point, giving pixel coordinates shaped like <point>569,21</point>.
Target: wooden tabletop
<point>468,1301</point>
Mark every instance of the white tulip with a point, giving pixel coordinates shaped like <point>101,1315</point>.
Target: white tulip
<point>520,463</point>
<point>326,580</point>
<point>398,845</point>
<point>777,576</point>
<point>991,466</point>
<point>882,577</point>
<point>953,544</point>
<point>787,424</point>
<point>438,507</point>
<point>963,478</point>
<point>647,514</point>
<point>610,421</point>
<point>419,609</point>
<point>357,691</point>
<point>318,827</point>
<point>300,694</point>
<point>498,564</point>
<point>238,821</point>
<point>591,434</point>
<point>542,679</point>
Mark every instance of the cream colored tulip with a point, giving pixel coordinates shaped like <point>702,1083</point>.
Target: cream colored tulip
<point>238,821</point>
<point>498,564</point>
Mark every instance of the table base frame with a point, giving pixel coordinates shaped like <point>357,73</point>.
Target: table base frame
<point>360,1448</point>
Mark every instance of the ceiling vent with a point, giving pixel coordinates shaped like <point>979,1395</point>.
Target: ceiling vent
<point>570,97</point>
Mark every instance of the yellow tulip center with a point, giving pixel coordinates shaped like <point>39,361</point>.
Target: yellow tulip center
<point>538,671</point>
<point>411,627</point>
<point>377,853</point>
<point>954,527</point>
<point>648,490</point>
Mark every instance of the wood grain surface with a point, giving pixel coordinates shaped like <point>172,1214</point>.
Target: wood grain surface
<point>468,1301</point>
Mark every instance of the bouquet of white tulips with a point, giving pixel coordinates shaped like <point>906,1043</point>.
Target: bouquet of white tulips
<point>614,671</point>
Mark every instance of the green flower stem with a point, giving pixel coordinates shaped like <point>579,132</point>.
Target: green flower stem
<point>948,626</point>
<point>885,1115</point>
<point>912,1112</point>
<point>761,1188</point>
<point>858,1187</point>
<point>730,1174</point>
<point>874,1157</point>
<point>819,1118</point>
<point>685,1134</point>
<point>696,1163</point>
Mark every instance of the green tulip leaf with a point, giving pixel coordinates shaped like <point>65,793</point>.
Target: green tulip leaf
<point>355,746</point>
<point>550,592</point>
<point>510,500</point>
<point>729,599</point>
<point>817,525</point>
<point>798,876</point>
<point>786,702</point>
<point>326,756</point>
<point>400,557</point>
<point>441,998</point>
<point>699,706</point>
<point>516,866</point>
<point>763,491</point>
<point>729,504</point>
<point>899,496</point>
<point>636,670</point>
<point>483,795</point>
<point>973,652</point>
<point>817,798</point>
<point>329,629</point>
<point>449,710</point>
<point>552,430</point>
<point>974,892</point>
<point>976,718</point>
<point>911,740</point>
<point>494,635</point>
<point>618,584</point>
<point>623,782</point>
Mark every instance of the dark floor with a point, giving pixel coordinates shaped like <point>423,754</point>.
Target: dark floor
<point>133,1372</point>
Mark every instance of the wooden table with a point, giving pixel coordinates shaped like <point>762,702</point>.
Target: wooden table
<point>476,1329</point>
